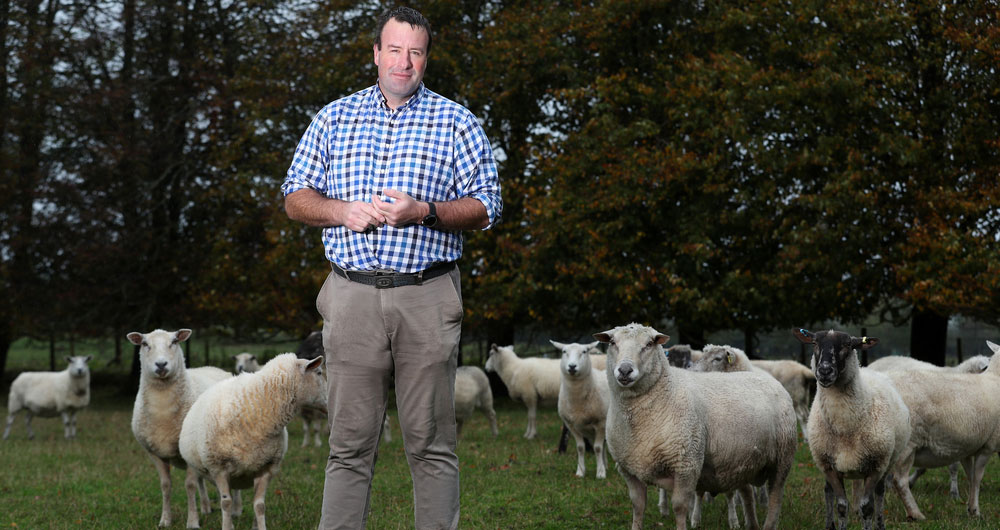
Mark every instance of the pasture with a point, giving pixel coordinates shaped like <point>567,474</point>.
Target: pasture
<point>104,480</point>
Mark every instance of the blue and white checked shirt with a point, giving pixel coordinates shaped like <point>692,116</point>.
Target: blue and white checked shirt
<point>430,148</point>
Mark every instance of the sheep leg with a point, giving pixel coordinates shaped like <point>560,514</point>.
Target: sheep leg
<point>917,473</point>
<point>696,502</point>
<point>225,500</point>
<point>637,494</point>
<point>317,430</point>
<point>953,475</point>
<point>532,409</point>
<point>581,450</point>
<point>492,416</point>
<point>163,470</point>
<point>259,490</point>
<point>67,428</point>
<point>10,422</point>
<point>731,500</point>
<point>868,503</point>
<point>749,508</point>
<point>206,503</point>
<point>305,432</point>
<point>237,503</point>
<point>599,454</point>
<point>901,483</point>
<point>662,503</point>
<point>27,424</point>
<point>681,499</point>
<point>191,480</point>
<point>836,501</point>
<point>974,468</point>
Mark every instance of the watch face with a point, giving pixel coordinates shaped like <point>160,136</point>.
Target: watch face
<point>429,221</point>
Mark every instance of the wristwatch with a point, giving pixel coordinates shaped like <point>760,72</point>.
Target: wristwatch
<point>430,219</point>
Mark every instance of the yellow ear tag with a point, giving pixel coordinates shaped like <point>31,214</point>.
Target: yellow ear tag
<point>729,358</point>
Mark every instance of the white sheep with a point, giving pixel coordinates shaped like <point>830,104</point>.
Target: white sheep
<point>534,380</point>
<point>49,394</point>
<point>583,402</point>
<point>472,391</point>
<point>955,418</point>
<point>973,365</point>
<point>245,362</point>
<point>235,433</point>
<point>798,379</point>
<point>859,426</point>
<point>314,418</point>
<point>166,391</point>
<point>685,431</point>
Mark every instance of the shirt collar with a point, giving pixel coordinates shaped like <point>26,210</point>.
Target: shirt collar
<point>379,99</point>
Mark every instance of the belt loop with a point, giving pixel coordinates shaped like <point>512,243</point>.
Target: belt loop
<point>420,277</point>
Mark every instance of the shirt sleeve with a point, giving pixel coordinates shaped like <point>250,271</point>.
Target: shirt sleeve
<point>309,164</point>
<point>477,169</point>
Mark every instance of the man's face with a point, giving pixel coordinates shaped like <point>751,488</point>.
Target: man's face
<point>401,61</point>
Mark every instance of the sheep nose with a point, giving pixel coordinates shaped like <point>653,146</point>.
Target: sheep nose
<point>571,368</point>
<point>624,370</point>
<point>824,370</point>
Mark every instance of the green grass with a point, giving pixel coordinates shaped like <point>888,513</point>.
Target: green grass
<point>104,480</point>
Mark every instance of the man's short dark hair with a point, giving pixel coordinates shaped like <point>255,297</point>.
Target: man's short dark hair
<point>402,14</point>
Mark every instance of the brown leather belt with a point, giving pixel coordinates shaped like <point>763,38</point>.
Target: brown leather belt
<point>390,279</point>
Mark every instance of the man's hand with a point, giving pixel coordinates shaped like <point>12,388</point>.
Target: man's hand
<point>400,209</point>
<point>361,216</point>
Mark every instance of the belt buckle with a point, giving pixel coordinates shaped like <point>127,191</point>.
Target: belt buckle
<point>383,278</point>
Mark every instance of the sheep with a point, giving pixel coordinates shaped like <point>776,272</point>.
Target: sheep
<point>245,362</point>
<point>166,391</point>
<point>973,365</point>
<point>716,358</point>
<point>859,425</point>
<point>314,417</point>
<point>472,391</point>
<point>583,402</point>
<point>798,379</point>
<point>235,433</point>
<point>955,417</point>
<point>681,355</point>
<point>685,431</point>
<point>49,394</point>
<point>534,380</point>
<point>598,361</point>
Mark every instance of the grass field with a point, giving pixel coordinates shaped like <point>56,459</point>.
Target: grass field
<point>103,479</point>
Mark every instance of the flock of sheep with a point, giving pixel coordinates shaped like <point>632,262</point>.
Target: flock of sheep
<point>691,423</point>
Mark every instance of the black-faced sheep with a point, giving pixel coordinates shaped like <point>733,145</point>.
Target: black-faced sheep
<point>859,426</point>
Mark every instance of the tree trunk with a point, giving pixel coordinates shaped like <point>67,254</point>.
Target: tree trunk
<point>928,336</point>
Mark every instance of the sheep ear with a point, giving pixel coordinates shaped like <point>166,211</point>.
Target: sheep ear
<point>557,344</point>
<point>314,364</point>
<point>593,345</point>
<point>604,337</point>
<point>661,339</point>
<point>867,342</point>
<point>233,357</point>
<point>993,346</point>
<point>69,359</point>
<point>804,336</point>
<point>182,334</point>
<point>135,338</point>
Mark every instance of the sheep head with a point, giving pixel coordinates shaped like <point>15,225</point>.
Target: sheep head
<point>832,350</point>
<point>160,352</point>
<point>633,350</point>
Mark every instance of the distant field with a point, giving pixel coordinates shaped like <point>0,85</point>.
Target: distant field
<point>104,480</point>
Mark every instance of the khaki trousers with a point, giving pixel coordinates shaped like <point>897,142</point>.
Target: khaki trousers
<point>372,336</point>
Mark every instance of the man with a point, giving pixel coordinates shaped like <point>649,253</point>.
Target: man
<point>393,173</point>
